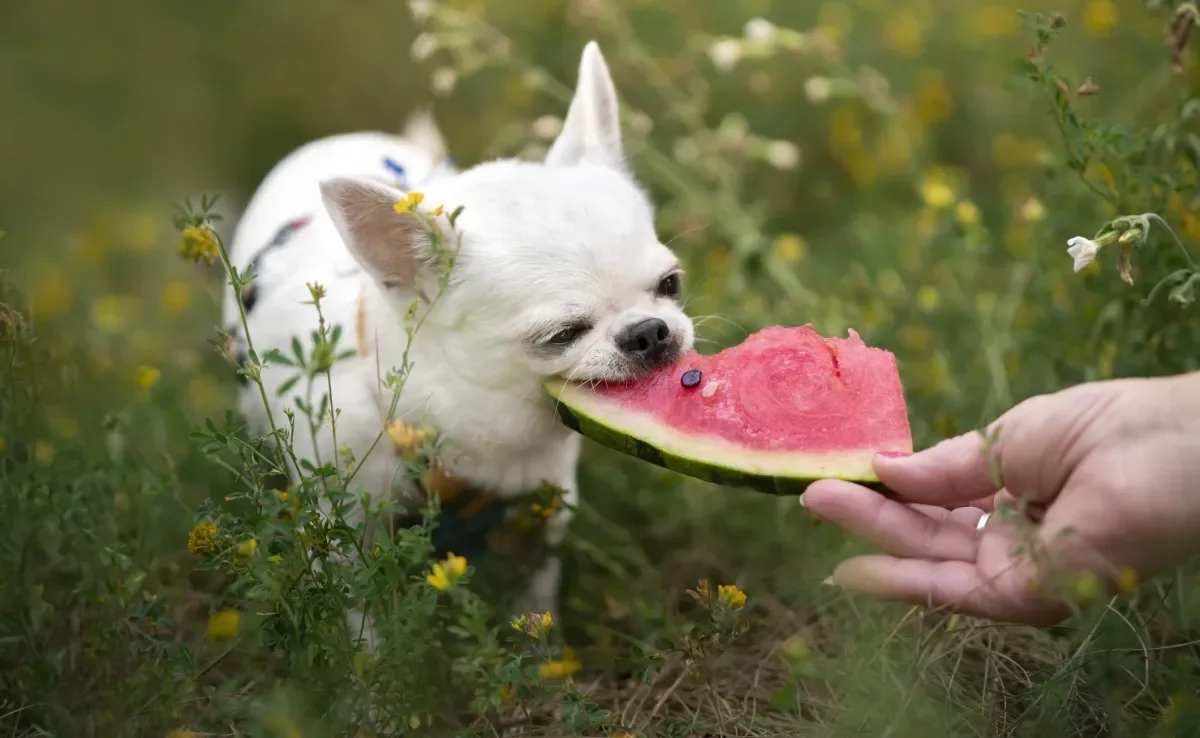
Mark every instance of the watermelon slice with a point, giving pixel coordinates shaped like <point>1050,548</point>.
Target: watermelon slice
<point>775,413</point>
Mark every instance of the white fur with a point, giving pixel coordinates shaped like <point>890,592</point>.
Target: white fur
<point>540,243</point>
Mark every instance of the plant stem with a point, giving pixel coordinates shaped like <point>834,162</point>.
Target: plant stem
<point>1186,255</point>
<point>285,449</point>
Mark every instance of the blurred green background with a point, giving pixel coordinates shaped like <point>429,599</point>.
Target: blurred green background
<point>878,166</point>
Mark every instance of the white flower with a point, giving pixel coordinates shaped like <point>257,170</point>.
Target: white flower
<point>443,80</point>
<point>759,29</point>
<point>818,89</point>
<point>1083,251</point>
<point>424,46</point>
<point>641,123</point>
<point>547,126</point>
<point>783,154</point>
<point>725,53</point>
<point>420,9</point>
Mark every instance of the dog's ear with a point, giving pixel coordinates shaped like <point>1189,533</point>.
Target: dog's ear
<point>592,129</point>
<point>393,247</point>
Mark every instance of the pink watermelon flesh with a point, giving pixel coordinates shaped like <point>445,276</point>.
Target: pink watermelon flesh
<point>785,400</point>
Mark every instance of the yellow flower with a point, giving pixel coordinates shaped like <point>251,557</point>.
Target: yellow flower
<point>1032,210</point>
<point>790,248</point>
<point>110,313</point>
<point>201,537</point>
<point>893,148</point>
<point>1127,580</point>
<point>145,377</point>
<point>43,453</point>
<point>405,438</point>
<point>562,668</point>
<point>933,101</point>
<point>1087,587</point>
<point>362,660</point>
<point>409,203</point>
<point>534,625</point>
<point>834,20</point>
<point>176,295</point>
<point>904,34</point>
<point>731,596</point>
<point>245,549</point>
<point>438,210</point>
<point>937,194</point>
<point>52,297</point>
<point>199,242</point>
<point>223,625</point>
<point>1099,16</point>
<point>797,648</point>
<point>993,21</point>
<point>446,573</point>
<point>928,298</point>
<point>967,213</point>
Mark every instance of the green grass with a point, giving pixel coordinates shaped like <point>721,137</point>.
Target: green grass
<point>931,214</point>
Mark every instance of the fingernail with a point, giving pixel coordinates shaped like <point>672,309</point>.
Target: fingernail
<point>893,454</point>
<point>800,499</point>
<point>828,581</point>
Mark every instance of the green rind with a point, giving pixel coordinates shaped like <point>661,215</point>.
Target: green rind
<point>713,472</point>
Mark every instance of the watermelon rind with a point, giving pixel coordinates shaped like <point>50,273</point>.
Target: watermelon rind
<point>709,459</point>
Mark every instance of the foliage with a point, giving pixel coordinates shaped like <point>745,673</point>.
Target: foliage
<point>914,170</point>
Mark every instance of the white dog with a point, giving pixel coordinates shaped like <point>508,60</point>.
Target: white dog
<point>558,273</point>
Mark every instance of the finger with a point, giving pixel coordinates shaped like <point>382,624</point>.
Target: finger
<point>895,527</point>
<point>953,472</point>
<point>1027,451</point>
<point>955,586</point>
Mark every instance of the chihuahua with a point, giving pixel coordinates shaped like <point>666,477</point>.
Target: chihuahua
<point>557,272</point>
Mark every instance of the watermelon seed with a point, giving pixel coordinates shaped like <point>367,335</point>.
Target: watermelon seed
<point>690,378</point>
<point>709,390</point>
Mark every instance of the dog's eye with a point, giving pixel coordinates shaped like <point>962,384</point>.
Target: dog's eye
<point>669,286</point>
<point>568,335</point>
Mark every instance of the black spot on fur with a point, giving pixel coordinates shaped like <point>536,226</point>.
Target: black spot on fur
<point>242,358</point>
<point>250,296</point>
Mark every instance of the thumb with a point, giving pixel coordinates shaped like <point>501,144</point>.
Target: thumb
<point>1014,453</point>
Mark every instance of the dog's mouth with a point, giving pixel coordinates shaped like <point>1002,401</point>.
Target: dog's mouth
<point>622,368</point>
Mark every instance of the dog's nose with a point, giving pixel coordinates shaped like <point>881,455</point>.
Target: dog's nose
<point>646,339</point>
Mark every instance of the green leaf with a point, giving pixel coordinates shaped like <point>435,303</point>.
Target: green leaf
<point>288,384</point>
<point>277,356</point>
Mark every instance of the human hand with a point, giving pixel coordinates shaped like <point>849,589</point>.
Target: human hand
<point>1111,469</point>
